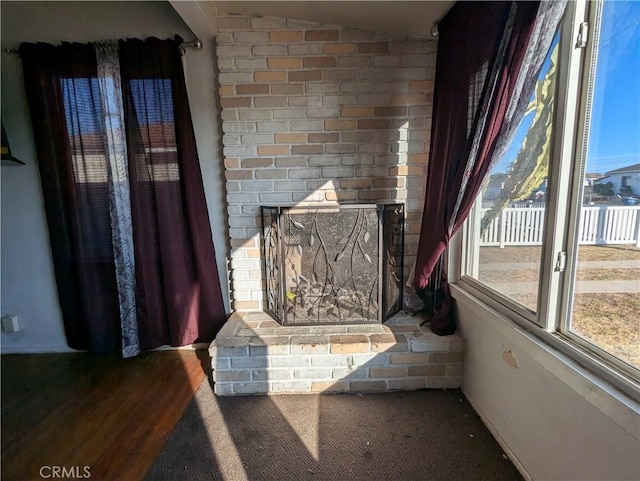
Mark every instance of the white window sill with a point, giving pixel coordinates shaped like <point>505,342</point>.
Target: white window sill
<point>622,408</point>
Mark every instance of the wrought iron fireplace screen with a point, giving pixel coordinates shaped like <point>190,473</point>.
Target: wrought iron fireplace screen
<point>333,265</point>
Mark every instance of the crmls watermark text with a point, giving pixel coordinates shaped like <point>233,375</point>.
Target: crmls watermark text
<point>65,472</point>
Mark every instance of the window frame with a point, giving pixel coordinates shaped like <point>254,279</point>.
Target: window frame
<point>574,92</point>
<point>576,193</point>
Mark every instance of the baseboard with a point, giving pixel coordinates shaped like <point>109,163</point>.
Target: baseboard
<point>494,432</point>
<point>36,350</point>
<point>68,350</point>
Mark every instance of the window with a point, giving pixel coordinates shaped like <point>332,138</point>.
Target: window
<point>543,244</point>
<point>509,214</point>
<point>604,281</point>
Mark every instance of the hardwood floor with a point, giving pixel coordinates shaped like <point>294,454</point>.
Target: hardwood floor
<point>109,414</point>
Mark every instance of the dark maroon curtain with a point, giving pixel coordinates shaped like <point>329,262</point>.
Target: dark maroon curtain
<point>481,48</point>
<point>62,92</point>
<point>178,295</point>
<point>178,289</point>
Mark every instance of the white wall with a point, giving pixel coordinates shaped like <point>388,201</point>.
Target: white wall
<point>557,421</point>
<point>28,285</point>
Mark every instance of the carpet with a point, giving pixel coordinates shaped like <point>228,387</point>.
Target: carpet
<point>421,435</point>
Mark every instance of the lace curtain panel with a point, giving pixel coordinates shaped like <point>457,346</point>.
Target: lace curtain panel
<point>107,57</point>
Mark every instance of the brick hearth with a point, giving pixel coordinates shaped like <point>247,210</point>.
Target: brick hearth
<point>253,354</point>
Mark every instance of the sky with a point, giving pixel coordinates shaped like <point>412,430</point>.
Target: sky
<point>615,131</point>
<point>614,139</point>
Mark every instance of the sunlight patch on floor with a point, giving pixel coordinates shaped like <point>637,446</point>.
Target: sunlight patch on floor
<point>306,427</point>
<point>226,452</point>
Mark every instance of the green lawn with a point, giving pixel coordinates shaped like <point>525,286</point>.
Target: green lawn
<point>609,320</point>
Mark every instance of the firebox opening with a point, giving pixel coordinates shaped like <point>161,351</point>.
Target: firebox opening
<point>333,264</point>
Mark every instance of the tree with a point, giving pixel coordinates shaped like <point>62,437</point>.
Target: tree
<point>603,189</point>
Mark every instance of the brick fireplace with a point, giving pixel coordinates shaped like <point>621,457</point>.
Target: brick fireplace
<point>315,115</point>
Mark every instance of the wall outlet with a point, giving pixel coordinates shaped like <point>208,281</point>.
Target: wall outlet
<point>10,323</point>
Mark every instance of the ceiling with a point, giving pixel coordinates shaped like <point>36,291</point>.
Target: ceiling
<point>413,18</point>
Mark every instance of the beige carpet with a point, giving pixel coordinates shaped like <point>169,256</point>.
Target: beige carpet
<point>423,435</point>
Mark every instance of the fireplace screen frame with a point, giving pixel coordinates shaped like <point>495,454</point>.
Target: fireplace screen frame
<point>286,233</point>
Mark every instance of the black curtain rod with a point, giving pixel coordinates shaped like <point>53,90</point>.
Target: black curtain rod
<point>196,44</point>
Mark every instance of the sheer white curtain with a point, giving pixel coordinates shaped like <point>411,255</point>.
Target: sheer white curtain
<point>545,27</point>
<point>108,63</point>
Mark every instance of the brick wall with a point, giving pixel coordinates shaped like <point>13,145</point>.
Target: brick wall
<point>315,113</point>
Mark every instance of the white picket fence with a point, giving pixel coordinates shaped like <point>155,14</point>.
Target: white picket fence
<point>524,226</point>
